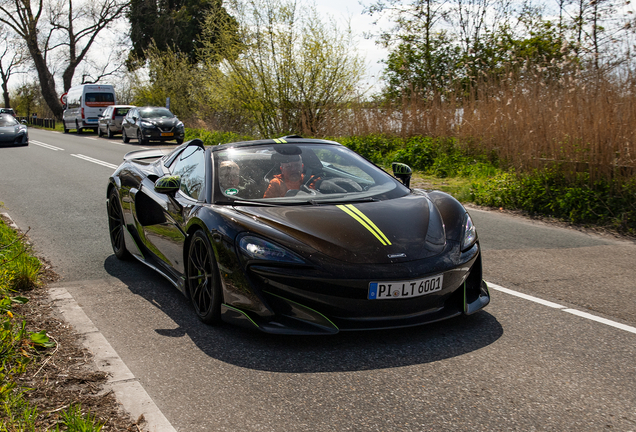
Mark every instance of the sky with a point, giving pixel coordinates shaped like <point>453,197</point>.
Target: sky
<point>360,23</point>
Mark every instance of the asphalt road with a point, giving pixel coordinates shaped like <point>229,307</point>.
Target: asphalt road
<point>518,365</point>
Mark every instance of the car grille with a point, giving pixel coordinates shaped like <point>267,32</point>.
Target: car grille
<point>165,128</point>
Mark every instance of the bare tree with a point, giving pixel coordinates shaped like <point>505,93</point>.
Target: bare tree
<point>69,29</point>
<point>11,57</point>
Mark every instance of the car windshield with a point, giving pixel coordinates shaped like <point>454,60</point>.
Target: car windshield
<point>7,120</point>
<point>299,174</point>
<point>155,113</point>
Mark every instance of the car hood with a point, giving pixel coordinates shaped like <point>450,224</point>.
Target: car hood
<point>163,122</point>
<point>11,129</point>
<point>396,230</point>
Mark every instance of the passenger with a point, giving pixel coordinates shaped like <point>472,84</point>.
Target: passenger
<point>229,177</point>
<point>291,177</point>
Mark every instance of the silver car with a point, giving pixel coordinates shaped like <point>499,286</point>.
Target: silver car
<point>110,120</point>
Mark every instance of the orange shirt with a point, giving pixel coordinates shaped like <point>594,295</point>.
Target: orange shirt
<point>279,187</point>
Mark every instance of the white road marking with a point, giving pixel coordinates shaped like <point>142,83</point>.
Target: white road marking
<point>601,320</point>
<point>46,146</point>
<point>564,309</point>
<point>525,296</point>
<point>94,139</point>
<point>96,161</point>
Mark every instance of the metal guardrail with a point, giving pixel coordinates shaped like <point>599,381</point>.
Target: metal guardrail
<point>37,121</point>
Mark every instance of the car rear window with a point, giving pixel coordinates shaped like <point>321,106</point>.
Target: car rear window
<point>122,111</point>
<point>99,99</point>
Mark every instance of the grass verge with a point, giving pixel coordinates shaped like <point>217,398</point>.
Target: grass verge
<point>25,352</point>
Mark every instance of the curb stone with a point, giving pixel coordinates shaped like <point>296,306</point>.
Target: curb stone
<point>127,389</point>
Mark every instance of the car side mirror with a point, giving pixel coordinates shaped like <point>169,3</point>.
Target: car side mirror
<point>402,172</point>
<point>168,184</point>
<point>23,121</point>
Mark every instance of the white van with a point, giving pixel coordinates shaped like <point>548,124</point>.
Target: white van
<point>84,105</point>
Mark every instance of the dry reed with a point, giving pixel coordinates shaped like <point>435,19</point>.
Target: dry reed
<point>588,124</point>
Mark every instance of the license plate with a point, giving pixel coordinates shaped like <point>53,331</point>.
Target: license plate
<point>90,120</point>
<point>167,133</point>
<point>405,289</point>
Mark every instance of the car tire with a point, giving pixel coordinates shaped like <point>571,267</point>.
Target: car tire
<point>77,128</point>
<point>65,128</point>
<point>204,284</point>
<point>124,137</point>
<point>99,132</point>
<point>179,141</point>
<point>116,226</point>
<point>140,138</point>
<point>109,133</point>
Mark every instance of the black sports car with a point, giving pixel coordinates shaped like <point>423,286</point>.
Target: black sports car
<point>296,236</point>
<point>12,132</point>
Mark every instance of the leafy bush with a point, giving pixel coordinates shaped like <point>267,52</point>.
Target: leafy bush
<point>213,137</point>
<point>574,198</point>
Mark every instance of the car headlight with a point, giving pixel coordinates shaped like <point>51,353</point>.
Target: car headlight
<point>146,124</point>
<point>470,233</point>
<point>258,249</point>
<point>180,125</point>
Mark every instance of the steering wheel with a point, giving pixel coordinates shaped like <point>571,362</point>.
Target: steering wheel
<point>339,185</point>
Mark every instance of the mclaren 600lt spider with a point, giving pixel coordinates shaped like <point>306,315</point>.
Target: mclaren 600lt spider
<point>296,236</point>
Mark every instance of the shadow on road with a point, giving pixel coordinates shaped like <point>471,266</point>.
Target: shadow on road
<point>346,351</point>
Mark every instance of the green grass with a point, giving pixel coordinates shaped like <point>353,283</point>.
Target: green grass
<point>19,272</point>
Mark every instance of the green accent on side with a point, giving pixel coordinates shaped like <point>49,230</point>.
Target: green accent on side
<point>465,299</point>
<point>168,182</point>
<point>300,304</point>
<point>400,168</point>
<point>369,221</point>
<point>242,313</point>
<point>362,222</point>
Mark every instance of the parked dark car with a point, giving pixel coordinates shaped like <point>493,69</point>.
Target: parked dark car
<point>348,247</point>
<point>7,111</point>
<point>152,124</point>
<point>12,132</point>
<point>109,122</point>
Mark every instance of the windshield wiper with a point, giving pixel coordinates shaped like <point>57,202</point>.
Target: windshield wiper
<point>349,200</point>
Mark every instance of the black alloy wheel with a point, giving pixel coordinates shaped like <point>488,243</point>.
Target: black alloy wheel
<point>124,137</point>
<point>203,280</point>
<point>116,226</point>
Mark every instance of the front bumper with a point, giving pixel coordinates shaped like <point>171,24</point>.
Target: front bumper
<point>308,304</point>
<point>19,139</point>
<point>162,135</point>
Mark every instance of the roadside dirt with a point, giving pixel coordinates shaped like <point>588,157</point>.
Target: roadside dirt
<point>65,375</point>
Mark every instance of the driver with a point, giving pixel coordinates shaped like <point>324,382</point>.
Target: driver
<point>291,177</point>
